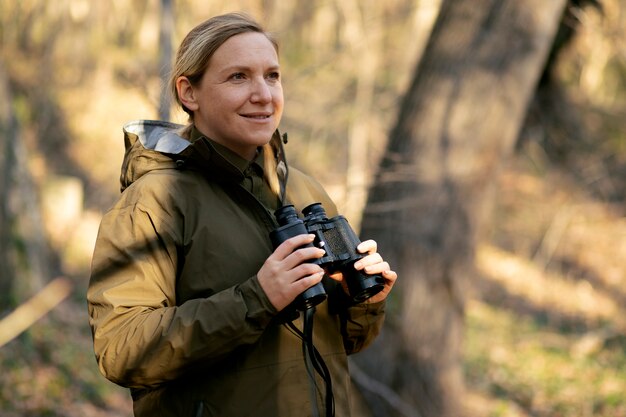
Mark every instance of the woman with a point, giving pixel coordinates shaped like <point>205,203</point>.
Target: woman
<point>189,302</point>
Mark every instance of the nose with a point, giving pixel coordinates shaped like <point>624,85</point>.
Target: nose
<point>261,92</point>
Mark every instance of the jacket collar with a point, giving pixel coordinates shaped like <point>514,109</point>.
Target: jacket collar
<point>218,161</point>
<point>153,144</point>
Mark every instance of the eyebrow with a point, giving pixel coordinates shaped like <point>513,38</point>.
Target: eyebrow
<point>246,68</point>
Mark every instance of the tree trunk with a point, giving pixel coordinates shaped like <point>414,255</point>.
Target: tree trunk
<point>363,42</point>
<point>166,33</point>
<point>458,122</point>
<point>8,134</point>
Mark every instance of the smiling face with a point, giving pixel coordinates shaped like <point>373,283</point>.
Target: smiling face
<point>239,99</point>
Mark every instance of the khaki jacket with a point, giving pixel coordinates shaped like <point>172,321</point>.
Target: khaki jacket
<point>177,313</point>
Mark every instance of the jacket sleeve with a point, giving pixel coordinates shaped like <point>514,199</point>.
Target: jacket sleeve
<point>141,337</point>
<point>361,325</point>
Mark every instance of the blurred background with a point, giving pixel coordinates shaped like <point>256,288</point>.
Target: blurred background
<point>540,321</point>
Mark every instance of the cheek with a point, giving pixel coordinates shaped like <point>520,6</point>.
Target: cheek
<point>226,98</point>
<point>278,108</point>
<point>279,100</point>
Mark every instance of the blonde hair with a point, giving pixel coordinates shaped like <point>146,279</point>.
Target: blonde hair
<point>192,60</point>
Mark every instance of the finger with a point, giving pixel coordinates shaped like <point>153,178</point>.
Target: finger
<point>390,279</point>
<point>377,268</point>
<point>284,276</point>
<point>390,276</point>
<point>284,292</point>
<point>306,282</point>
<point>303,270</point>
<point>368,260</point>
<point>288,246</point>
<point>303,255</point>
<point>367,246</point>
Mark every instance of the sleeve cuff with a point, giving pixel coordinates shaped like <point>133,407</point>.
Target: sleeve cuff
<point>259,309</point>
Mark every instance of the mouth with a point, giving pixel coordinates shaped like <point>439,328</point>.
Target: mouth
<point>257,116</point>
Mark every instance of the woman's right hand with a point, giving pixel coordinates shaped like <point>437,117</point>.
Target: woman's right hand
<point>289,271</point>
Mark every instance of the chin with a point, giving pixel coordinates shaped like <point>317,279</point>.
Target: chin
<point>261,140</point>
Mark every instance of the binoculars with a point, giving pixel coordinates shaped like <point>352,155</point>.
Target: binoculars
<point>338,240</point>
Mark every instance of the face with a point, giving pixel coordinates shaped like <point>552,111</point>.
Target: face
<point>239,100</point>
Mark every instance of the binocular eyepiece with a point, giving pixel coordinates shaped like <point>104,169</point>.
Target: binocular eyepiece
<point>339,241</point>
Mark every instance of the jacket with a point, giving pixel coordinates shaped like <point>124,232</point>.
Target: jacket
<point>176,311</point>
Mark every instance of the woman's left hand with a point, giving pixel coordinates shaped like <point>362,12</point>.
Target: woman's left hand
<point>372,264</point>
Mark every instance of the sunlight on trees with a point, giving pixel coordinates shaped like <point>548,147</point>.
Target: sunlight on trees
<point>551,259</point>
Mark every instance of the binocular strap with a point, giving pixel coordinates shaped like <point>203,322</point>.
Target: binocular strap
<point>314,363</point>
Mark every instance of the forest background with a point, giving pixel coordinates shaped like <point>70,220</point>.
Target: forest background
<point>543,330</point>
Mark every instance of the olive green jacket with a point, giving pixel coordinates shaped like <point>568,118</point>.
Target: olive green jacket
<point>177,313</point>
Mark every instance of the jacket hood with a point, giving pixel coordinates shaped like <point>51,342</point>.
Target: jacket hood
<point>150,145</point>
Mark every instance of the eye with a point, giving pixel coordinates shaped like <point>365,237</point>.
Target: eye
<point>274,76</point>
<point>237,76</point>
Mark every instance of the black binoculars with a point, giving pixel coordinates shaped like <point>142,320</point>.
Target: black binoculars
<point>336,237</point>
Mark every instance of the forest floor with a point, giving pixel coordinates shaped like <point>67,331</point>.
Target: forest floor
<point>545,324</point>
<point>545,328</point>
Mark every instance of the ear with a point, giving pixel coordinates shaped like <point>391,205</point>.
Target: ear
<point>186,93</point>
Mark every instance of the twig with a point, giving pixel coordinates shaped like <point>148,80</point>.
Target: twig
<point>553,235</point>
<point>35,308</point>
<point>382,391</point>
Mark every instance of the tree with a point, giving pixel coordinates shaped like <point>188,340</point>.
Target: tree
<point>458,122</point>
<point>166,30</point>
<point>8,134</point>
